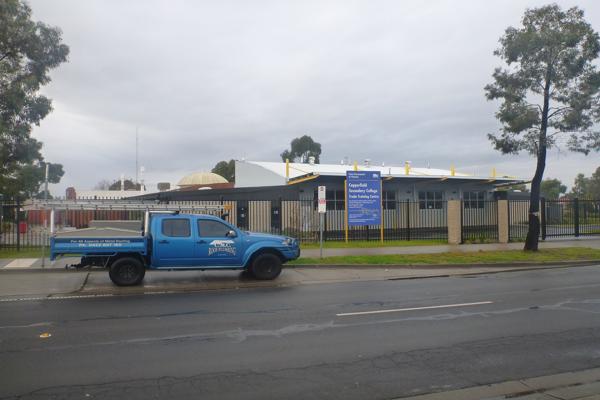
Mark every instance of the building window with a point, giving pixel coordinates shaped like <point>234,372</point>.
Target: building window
<point>389,200</point>
<point>176,227</point>
<point>431,200</point>
<point>335,199</point>
<point>474,199</point>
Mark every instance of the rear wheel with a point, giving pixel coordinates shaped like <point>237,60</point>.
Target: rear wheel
<point>127,271</point>
<point>266,266</point>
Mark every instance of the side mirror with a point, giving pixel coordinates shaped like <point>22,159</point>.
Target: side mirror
<point>224,216</point>
<point>231,234</point>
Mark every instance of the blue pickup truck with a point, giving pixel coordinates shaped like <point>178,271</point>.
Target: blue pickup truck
<point>173,241</point>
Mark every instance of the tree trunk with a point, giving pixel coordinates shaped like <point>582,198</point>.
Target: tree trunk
<point>533,234</point>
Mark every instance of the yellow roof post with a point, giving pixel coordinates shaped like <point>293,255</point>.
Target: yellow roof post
<point>452,170</point>
<point>406,168</point>
<point>355,166</point>
<point>287,169</point>
<point>494,172</point>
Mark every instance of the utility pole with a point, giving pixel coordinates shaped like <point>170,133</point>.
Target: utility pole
<point>45,220</point>
<point>46,182</point>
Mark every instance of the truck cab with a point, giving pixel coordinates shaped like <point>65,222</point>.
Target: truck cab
<point>174,241</point>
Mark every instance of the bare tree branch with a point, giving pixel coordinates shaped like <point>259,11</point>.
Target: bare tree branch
<point>559,110</point>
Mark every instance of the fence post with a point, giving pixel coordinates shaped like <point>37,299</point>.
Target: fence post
<point>407,219</point>
<point>18,221</point>
<point>454,222</point>
<point>543,217</point>
<point>576,215</point>
<point>503,221</point>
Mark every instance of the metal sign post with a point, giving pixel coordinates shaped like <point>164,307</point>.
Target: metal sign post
<point>322,202</point>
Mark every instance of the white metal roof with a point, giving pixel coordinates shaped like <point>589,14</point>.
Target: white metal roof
<point>108,194</point>
<point>298,170</point>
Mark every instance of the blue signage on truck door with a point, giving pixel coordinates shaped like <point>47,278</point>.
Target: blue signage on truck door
<point>363,191</point>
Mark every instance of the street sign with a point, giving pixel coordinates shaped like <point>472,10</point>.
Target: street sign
<point>363,189</point>
<point>322,199</point>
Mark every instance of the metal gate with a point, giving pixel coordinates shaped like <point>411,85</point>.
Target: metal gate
<point>558,218</point>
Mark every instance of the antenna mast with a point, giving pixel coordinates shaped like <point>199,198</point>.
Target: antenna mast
<point>136,156</point>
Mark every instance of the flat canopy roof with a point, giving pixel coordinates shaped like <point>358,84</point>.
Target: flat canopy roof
<point>299,170</point>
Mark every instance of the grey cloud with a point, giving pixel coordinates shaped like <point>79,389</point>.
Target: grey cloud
<point>205,81</point>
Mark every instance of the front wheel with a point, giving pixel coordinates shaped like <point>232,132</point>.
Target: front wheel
<point>266,266</point>
<point>127,272</point>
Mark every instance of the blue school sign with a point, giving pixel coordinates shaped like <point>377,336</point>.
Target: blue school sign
<point>363,189</point>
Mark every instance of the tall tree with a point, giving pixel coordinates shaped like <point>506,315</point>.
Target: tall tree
<point>594,185</point>
<point>226,169</point>
<point>27,181</point>
<point>552,188</point>
<point>580,186</point>
<point>549,87</point>
<point>28,51</point>
<point>104,184</point>
<point>127,183</point>
<point>301,149</point>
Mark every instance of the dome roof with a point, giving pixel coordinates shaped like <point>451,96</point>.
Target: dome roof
<point>201,178</point>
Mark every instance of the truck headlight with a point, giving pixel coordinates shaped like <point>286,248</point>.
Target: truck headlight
<point>288,242</point>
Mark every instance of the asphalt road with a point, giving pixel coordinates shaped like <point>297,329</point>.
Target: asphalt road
<point>320,341</point>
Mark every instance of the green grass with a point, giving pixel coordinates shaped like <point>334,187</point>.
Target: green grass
<point>372,243</point>
<point>480,257</point>
<point>35,252</point>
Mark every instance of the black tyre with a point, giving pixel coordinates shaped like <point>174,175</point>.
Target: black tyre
<point>127,272</point>
<point>266,266</point>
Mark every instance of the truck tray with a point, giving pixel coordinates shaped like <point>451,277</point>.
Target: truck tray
<point>97,241</point>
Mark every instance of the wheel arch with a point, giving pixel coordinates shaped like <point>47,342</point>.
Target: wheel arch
<point>112,259</point>
<point>262,250</point>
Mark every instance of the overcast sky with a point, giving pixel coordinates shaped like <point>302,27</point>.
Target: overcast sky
<point>206,81</point>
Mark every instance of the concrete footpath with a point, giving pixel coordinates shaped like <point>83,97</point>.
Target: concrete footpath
<point>448,248</point>
<point>579,385</point>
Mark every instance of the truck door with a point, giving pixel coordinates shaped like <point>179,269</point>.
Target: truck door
<point>174,245</point>
<point>216,247</point>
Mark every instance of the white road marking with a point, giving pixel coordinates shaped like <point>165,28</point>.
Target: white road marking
<point>21,263</point>
<point>414,309</point>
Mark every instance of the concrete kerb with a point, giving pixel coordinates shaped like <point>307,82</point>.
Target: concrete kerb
<point>544,264</point>
<point>511,266</point>
<point>519,388</point>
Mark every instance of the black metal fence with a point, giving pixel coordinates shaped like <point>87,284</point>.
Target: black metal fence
<point>402,220</point>
<point>559,218</point>
<point>15,231</point>
<point>479,221</point>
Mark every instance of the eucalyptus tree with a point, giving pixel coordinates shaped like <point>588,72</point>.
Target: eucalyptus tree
<point>28,51</point>
<point>548,88</point>
<point>301,149</point>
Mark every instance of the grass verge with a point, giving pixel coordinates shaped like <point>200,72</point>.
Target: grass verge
<point>35,252</point>
<point>480,257</point>
<point>372,243</point>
